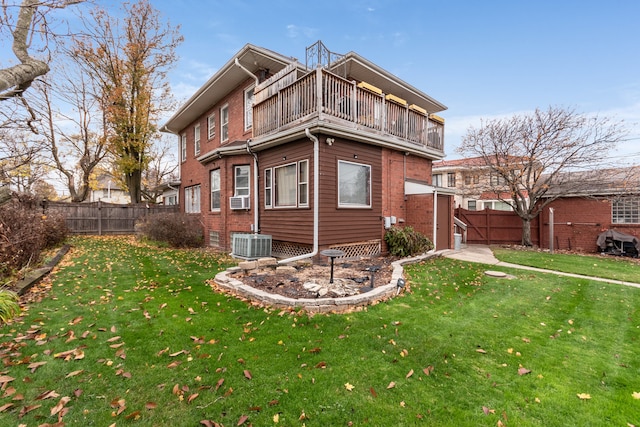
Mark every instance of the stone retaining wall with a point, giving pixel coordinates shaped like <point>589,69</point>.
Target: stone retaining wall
<point>235,287</point>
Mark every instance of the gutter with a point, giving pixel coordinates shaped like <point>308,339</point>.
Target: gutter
<point>247,71</point>
<point>316,200</point>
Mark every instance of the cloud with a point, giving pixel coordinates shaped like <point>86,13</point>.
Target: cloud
<point>294,31</point>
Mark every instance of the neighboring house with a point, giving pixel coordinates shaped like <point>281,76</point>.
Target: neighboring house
<point>326,154</point>
<point>107,190</point>
<point>169,193</point>
<point>604,200</point>
<point>474,184</point>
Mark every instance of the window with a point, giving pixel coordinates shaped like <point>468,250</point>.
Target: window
<point>467,180</point>
<point>303,183</point>
<point>354,185</point>
<point>267,188</point>
<point>211,126</point>
<point>183,147</point>
<point>285,185</point>
<point>196,139</point>
<point>436,180</point>
<point>471,205</point>
<point>241,180</point>
<point>248,108</point>
<point>626,210</point>
<point>224,123</point>
<point>476,179</point>
<point>497,179</point>
<point>498,205</point>
<point>451,179</point>
<point>192,199</point>
<point>215,190</point>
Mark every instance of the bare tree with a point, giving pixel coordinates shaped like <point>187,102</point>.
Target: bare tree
<point>161,169</point>
<point>72,126</point>
<point>532,154</point>
<point>24,21</point>
<point>21,164</point>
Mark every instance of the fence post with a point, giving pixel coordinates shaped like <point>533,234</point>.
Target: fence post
<point>99,217</point>
<point>551,219</point>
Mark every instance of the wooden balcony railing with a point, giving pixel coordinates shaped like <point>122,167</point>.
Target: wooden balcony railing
<point>323,93</point>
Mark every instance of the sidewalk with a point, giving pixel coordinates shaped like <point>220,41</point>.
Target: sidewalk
<point>482,254</point>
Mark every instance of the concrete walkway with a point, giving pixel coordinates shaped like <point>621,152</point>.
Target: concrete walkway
<point>483,254</point>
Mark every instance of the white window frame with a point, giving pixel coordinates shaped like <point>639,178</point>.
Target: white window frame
<point>436,180</point>
<point>345,204</point>
<point>275,185</point>
<point>241,190</point>
<point>196,140</point>
<point>192,199</point>
<point>224,123</point>
<point>215,188</point>
<point>183,147</point>
<point>268,188</point>
<point>211,126</point>
<point>303,183</point>
<point>451,179</point>
<point>248,107</point>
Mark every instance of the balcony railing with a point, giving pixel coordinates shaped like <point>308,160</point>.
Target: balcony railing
<point>366,107</point>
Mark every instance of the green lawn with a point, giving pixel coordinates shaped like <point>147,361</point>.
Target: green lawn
<point>610,267</point>
<point>132,335</point>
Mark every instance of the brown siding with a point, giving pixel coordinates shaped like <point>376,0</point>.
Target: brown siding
<point>287,224</point>
<point>344,225</point>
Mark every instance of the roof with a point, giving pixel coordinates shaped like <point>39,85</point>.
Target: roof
<point>597,182</point>
<point>253,59</point>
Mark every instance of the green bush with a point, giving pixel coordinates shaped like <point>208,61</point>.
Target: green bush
<point>405,241</point>
<point>9,307</point>
<point>179,230</point>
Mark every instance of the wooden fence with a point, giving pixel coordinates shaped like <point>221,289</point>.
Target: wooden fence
<point>104,218</point>
<point>493,227</point>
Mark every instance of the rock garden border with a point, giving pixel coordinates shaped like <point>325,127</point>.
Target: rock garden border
<point>225,283</point>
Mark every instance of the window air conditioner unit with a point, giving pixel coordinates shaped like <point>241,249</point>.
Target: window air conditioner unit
<point>251,246</point>
<point>239,202</point>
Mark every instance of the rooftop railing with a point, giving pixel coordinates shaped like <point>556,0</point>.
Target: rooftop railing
<point>365,106</point>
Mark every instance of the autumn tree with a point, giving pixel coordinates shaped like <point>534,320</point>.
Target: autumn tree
<point>531,155</point>
<point>130,64</point>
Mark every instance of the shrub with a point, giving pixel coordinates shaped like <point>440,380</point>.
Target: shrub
<point>177,229</point>
<point>25,232</point>
<point>405,241</point>
<point>9,306</point>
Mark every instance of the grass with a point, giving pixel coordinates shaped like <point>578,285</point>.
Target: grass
<point>152,345</point>
<point>617,268</point>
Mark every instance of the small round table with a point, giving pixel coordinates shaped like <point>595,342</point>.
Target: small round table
<point>332,254</point>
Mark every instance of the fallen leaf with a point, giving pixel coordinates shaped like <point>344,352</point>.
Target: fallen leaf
<point>373,392</point>
<point>584,396</point>
<point>428,370</point>
<point>133,416</point>
<point>410,373</point>
<point>35,365</point>
<point>349,387</point>
<point>9,391</point>
<point>112,339</point>
<point>192,397</point>
<point>391,385</point>
<point>524,371</point>
<point>5,379</point>
<point>63,401</point>
<point>247,374</point>
<point>242,420</point>
<point>151,405</point>
<point>219,383</point>
<point>76,320</point>
<point>47,395</point>
<point>321,365</point>
<point>6,406</point>
<point>26,409</point>
<point>276,418</point>
<point>480,350</point>
<point>74,373</point>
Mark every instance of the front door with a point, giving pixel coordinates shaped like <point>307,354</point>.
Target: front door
<point>444,217</point>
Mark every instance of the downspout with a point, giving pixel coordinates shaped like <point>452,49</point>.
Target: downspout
<point>435,219</point>
<point>316,200</point>
<point>247,71</point>
<point>256,201</point>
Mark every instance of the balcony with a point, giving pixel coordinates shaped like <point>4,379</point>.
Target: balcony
<point>284,102</point>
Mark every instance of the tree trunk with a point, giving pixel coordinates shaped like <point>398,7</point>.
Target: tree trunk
<point>526,232</point>
<point>134,184</point>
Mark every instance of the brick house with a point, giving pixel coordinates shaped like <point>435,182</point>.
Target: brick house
<point>326,154</point>
<point>609,200</point>
<point>474,183</point>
